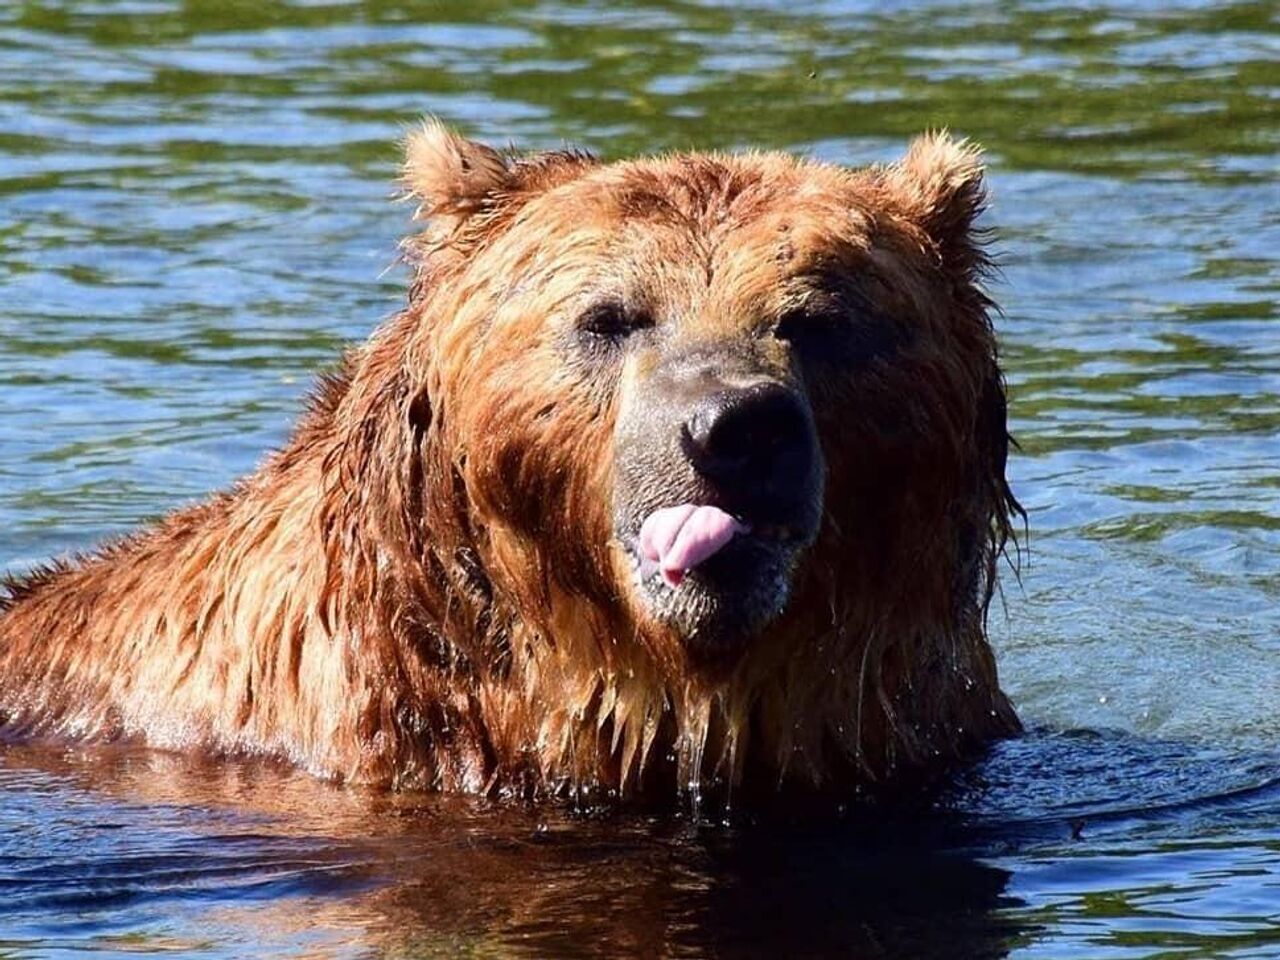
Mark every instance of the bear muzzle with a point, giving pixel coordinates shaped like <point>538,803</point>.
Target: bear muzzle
<point>719,492</point>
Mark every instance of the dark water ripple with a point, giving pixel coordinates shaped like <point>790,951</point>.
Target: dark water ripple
<point>195,215</point>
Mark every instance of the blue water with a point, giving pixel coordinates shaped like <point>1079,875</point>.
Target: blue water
<point>195,215</point>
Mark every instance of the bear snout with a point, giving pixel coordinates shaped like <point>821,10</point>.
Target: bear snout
<point>757,439</point>
<point>719,491</point>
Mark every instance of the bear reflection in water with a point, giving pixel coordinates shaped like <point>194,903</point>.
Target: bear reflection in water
<point>257,854</point>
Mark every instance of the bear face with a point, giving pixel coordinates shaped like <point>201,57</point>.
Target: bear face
<point>709,389</point>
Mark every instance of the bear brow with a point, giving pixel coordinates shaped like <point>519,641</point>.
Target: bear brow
<point>838,293</point>
<point>701,191</point>
<point>836,285</point>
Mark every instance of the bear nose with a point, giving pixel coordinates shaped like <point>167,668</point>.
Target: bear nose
<point>757,436</point>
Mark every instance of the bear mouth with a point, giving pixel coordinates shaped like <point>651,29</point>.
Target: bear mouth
<point>716,578</point>
<point>677,539</point>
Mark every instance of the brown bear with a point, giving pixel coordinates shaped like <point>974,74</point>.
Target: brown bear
<point>672,473</point>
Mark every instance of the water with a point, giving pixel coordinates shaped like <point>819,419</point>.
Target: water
<point>194,216</point>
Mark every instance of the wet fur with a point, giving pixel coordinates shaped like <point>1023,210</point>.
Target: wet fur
<point>421,588</point>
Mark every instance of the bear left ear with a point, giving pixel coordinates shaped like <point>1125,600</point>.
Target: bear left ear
<point>449,175</point>
<point>940,183</point>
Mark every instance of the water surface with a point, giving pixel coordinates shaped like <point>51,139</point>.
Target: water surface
<point>195,215</point>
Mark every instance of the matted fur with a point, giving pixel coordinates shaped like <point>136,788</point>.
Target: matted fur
<point>422,588</point>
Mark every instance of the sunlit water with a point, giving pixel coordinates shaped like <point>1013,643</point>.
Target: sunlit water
<point>194,216</point>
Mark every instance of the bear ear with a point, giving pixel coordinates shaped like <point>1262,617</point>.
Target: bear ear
<point>940,183</point>
<point>449,175</point>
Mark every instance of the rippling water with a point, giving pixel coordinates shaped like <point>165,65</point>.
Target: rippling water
<point>194,216</point>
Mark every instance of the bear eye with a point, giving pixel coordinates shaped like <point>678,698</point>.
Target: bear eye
<point>835,336</point>
<point>611,323</point>
<point>813,331</point>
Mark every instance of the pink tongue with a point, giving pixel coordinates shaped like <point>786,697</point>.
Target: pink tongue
<point>680,538</point>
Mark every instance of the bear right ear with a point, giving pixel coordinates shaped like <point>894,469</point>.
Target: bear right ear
<point>450,176</point>
<point>940,183</point>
